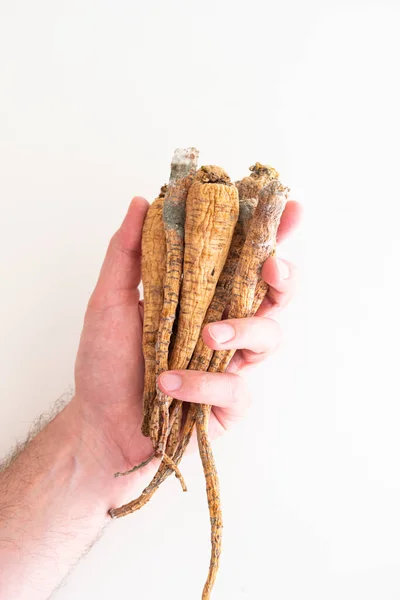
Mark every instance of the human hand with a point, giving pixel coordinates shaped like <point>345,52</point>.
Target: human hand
<point>109,369</point>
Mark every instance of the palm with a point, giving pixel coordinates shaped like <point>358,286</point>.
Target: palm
<point>109,366</point>
<point>109,373</point>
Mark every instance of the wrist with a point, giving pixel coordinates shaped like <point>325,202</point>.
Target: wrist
<point>99,456</point>
<point>56,494</point>
<point>93,447</point>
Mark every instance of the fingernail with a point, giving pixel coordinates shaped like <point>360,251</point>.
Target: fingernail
<point>171,381</point>
<point>221,333</point>
<point>283,269</point>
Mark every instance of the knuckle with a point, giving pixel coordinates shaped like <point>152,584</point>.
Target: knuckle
<point>103,300</point>
<point>253,358</point>
<point>238,392</point>
<point>115,241</point>
<point>274,333</point>
<point>292,267</point>
<point>204,385</point>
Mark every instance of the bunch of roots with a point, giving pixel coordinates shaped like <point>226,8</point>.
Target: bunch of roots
<point>204,242</point>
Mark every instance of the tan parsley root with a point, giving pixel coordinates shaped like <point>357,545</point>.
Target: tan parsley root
<point>183,168</point>
<point>153,274</point>
<point>212,209</point>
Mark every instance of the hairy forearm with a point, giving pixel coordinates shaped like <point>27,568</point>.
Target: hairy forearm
<point>54,501</point>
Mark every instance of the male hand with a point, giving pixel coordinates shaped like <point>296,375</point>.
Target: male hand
<point>110,367</point>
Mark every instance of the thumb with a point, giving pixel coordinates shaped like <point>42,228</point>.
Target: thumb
<point>121,267</point>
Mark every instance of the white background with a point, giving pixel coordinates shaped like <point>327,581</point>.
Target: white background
<point>95,96</point>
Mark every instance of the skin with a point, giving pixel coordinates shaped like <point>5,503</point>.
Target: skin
<point>55,495</point>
